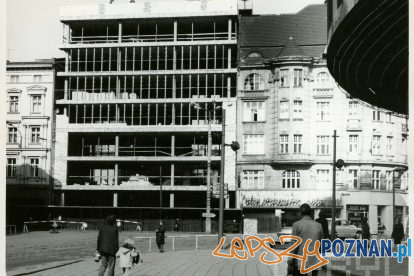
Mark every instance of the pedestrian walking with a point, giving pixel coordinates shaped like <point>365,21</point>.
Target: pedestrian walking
<point>126,253</point>
<point>176,225</point>
<point>160,236</point>
<point>366,233</point>
<point>307,229</point>
<point>108,245</point>
<point>397,231</point>
<point>324,223</point>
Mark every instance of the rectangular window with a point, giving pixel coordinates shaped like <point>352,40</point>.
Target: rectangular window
<point>36,103</point>
<point>353,174</point>
<point>284,110</point>
<point>353,109</point>
<point>297,143</point>
<point>353,143</point>
<point>389,180</point>
<point>322,176</point>
<point>253,179</point>
<point>34,167</point>
<point>297,109</point>
<point>37,78</point>
<point>390,149</point>
<point>376,145</point>
<point>375,179</point>
<point>322,144</point>
<point>284,143</point>
<point>11,167</point>
<point>14,78</point>
<point>12,138</point>
<point>290,179</point>
<point>13,104</point>
<point>389,117</point>
<point>376,115</point>
<point>322,111</point>
<point>284,78</point>
<point>35,134</point>
<point>253,144</point>
<point>253,111</point>
<point>297,77</point>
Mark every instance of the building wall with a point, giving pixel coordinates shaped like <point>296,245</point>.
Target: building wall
<point>308,163</point>
<point>29,95</point>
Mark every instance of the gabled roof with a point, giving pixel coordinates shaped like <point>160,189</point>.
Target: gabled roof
<point>269,33</point>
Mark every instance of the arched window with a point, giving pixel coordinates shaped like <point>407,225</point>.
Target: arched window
<point>290,179</point>
<point>322,79</point>
<point>254,82</point>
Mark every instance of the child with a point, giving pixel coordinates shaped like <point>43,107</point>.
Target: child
<point>125,254</point>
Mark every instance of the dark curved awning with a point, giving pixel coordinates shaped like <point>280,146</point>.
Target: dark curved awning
<point>368,53</point>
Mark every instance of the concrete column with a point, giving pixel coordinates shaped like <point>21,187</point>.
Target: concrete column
<point>237,198</point>
<point>116,174</point>
<point>226,203</point>
<point>172,174</point>
<point>115,201</point>
<point>119,32</point>
<point>62,199</point>
<point>386,217</point>
<point>228,58</point>
<point>229,29</point>
<point>373,218</point>
<point>117,145</point>
<point>172,200</point>
<point>175,30</point>
<point>228,87</point>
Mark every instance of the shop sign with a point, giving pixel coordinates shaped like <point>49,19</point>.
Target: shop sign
<point>280,202</point>
<point>357,208</point>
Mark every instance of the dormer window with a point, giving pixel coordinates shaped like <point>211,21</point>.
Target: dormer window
<point>254,82</point>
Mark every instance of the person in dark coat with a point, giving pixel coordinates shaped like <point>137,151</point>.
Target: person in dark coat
<point>366,233</point>
<point>160,236</point>
<point>108,245</point>
<point>324,223</point>
<point>398,231</point>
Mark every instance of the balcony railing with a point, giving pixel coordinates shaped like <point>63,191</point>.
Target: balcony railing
<point>140,181</point>
<point>152,38</point>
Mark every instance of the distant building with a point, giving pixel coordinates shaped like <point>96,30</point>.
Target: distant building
<point>29,94</point>
<point>133,120</point>
<point>288,107</point>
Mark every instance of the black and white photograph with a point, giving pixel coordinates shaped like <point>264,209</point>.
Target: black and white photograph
<point>207,137</point>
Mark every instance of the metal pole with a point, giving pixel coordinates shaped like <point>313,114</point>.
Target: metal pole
<point>208,219</point>
<point>393,197</point>
<point>160,192</point>
<point>221,202</point>
<point>333,235</point>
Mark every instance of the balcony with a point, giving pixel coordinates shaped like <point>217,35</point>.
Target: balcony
<point>293,158</point>
<point>322,93</point>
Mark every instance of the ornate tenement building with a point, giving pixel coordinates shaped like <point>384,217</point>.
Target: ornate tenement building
<point>289,106</point>
<point>142,81</point>
<point>29,98</point>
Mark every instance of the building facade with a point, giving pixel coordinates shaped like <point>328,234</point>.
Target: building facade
<point>144,85</point>
<point>30,141</point>
<point>289,106</point>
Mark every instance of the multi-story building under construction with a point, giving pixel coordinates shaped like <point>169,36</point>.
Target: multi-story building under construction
<point>143,84</point>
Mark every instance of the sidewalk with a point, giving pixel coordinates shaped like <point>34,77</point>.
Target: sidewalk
<point>204,263</point>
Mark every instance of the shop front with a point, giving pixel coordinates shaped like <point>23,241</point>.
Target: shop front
<point>283,207</point>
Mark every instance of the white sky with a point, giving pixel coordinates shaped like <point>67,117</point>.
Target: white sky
<point>34,30</point>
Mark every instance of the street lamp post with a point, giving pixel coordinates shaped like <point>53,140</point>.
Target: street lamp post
<point>335,164</point>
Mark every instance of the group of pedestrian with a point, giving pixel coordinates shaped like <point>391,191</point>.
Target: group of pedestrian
<point>108,249</point>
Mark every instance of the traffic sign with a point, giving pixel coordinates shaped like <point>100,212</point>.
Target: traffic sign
<point>208,215</point>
